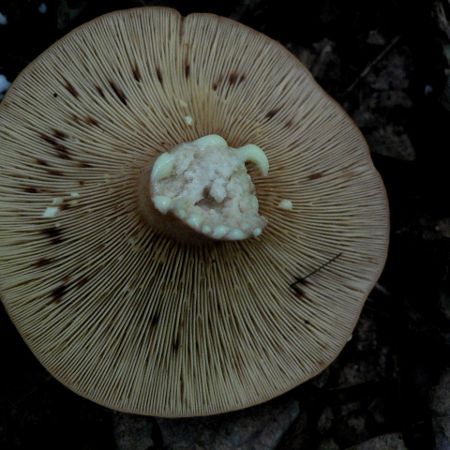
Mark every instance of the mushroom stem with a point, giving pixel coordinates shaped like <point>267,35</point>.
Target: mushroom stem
<point>201,190</point>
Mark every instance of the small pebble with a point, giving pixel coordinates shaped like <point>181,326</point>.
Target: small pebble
<point>42,8</point>
<point>4,84</point>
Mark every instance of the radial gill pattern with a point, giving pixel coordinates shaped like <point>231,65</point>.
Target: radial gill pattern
<point>137,321</point>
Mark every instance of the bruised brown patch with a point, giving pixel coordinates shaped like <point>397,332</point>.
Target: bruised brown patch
<point>58,293</point>
<point>159,75</point>
<point>82,282</point>
<point>176,344</point>
<point>71,89</point>
<point>99,91</point>
<point>232,79</point>
<point>42,262</point>
<point>58,134</point>
<point>187,67</point>
<point>272,113</point>
<point>84,165</point>
<point>137,73</point>
<point>54,172</point>
<point>54,234</point>
<point>41,162</point>
<point>154,319</point>
<point>216,83</point>
<point>92,121</point>
<point>119,92</point>
<point>315,176</point>
<point>181,387</point>
<point>61,149</point>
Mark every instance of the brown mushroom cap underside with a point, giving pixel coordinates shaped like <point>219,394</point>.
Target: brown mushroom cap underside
<point>136,321</point>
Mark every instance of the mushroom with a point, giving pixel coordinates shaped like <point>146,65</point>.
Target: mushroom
<point>135,308</point>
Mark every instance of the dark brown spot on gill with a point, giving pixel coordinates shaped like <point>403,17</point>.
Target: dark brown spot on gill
<point>298,285</point>
<point>187,68</point>
<point>71,89</point>
<point>92,121</point>
<point>289,124</point>
<point>216,83</point>
<point>48,139</point>
<point>307,322</point>
<point>176,344</point>
<point>55,173</point>
<point>83,165</point>
<point>100,91</point>
<point>64,205</point>
<point>42,162</point>
<point>272,113</point>
<point>58,293</point>
<point>31,190</point>
<point>66,279</point>
<point>315,176</point>
<point>81,282</point>
<point>54,234</point>
<point>61,149</point>
<point>119,92</point>
<point>100,247</point>
<point>58,134</point>
<point>154,319</point>
<point>41,262</point>
<point>55,95</point>
<point>159,74</point>
<point>233,78</point>
<point>137,73</point>
<point>74,118</point>
<point>181,387</point>
<point>81,183</point>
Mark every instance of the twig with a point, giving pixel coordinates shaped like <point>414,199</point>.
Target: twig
<point>382,289</point>
<point>372,63</point>
<point>313,272</point>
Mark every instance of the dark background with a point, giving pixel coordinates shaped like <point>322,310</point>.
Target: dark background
<point>387,63</point>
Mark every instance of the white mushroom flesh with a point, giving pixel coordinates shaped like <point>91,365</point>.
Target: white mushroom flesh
<point>206,185</point>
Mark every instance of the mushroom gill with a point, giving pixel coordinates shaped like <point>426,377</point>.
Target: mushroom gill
<point>124,314</point>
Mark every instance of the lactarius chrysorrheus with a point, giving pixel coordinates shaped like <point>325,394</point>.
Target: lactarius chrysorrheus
<point>188,223</point>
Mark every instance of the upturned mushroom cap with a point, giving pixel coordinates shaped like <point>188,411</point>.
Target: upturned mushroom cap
<point>137,321</point>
